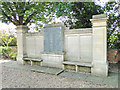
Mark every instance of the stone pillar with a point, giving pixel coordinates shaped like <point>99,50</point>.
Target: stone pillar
<point>21,43</point>
<point>100,64</point>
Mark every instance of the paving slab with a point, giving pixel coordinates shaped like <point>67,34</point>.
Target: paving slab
<point>55,71</point>
<point>112,82</point>
<point>94,79</point>
<point>15,65</point>
<point>112,79</point>
<point>73,75</point>
<point>40,69</point>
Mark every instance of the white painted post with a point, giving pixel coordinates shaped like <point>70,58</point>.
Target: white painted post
<point>21,41</point>
<point>100,64</point>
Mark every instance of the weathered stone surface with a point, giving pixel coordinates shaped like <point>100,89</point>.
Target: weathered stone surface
<point>54,44</point>
<point>53,54</point>
<point>83,31</point>
<point>99,16</point>
<point>84,69</point>
<point>21,43</point>
<point>100,64</point>
<point>53,39</point>
<point>69,67</point>
<point>52,60</point>
<point>34,45</point>
<point>78,47</point>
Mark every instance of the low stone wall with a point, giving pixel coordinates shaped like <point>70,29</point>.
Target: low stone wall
<point>78,45</point>
<point>113,55</point>
<point>81,49</point>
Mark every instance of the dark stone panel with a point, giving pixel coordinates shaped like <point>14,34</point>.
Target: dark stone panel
<point>53,41</point>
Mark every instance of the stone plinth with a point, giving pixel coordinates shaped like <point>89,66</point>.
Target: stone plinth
<point>52,59</point>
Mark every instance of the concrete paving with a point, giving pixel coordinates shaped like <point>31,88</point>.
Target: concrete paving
<point>48,70</point>
<point>112,79</point>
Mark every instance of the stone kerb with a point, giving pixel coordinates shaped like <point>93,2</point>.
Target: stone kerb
<point>100,64</point>
<point>21,41</point>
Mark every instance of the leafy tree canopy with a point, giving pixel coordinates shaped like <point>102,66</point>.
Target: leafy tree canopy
<point>22,13</point>
<point>113,31</point>
<point>80,13</point>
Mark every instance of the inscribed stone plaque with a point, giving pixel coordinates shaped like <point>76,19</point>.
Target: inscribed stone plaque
<point>53,39</point>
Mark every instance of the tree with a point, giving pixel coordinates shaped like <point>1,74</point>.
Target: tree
<point>80,13</point>
<point>113,31</point>
<point>25,13</point>
<point>22,13</point>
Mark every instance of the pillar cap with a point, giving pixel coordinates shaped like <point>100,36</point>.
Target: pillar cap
<point>22,27</point>
<point>99,17</point>
<point>56,25</point>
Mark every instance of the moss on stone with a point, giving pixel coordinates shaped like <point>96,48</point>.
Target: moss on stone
<point>27,62</point>
<point>69,67</point>
<point>33,62</point>
<point>84,69</point>
<point>36,63</point>
<point>80,68</point>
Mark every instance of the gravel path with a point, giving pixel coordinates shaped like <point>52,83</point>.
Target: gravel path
<point>19,78</point>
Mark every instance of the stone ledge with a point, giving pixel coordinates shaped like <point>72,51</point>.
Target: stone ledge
<point>22,27</point>
<point>79,31</point>
<point>53,53</point>
<point>56,25</point>
<point>33,59</point>
<point>99,16</point>
<point>77,63</point>
<point>35,34</point>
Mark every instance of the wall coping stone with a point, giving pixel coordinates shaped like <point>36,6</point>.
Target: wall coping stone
<point>79,31</point>
<point>56,25</point>
<point>53,53</point>
<point>22,27</point>
<point>34,33</point>
<point>99,16</point>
